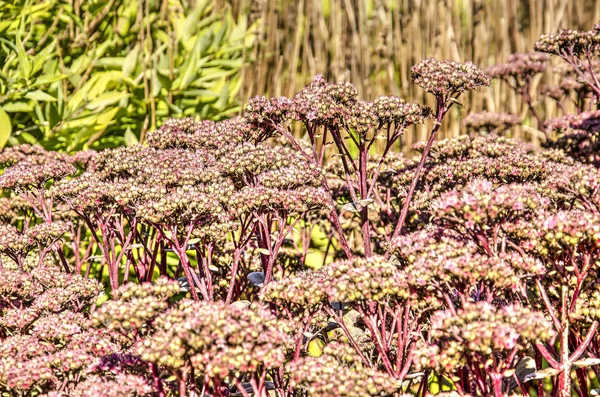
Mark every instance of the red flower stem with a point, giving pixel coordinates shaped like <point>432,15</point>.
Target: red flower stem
<point>441,110</point>
<point>364,212</point>
<point>338,319</point>
<point>548,305</point>
<point>586,342</point>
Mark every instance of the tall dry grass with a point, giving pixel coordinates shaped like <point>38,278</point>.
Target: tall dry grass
<point>373,43</point>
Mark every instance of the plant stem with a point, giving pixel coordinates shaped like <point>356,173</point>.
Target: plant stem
<point>441,110</point>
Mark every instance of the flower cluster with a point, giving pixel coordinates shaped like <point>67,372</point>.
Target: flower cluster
<point>321,102</point>
<point>392,109</point>
<point>45,233</point>
<point>480,204</point>
<point>121,385</point>
<point>448,78</point>
<point>45,339</point>
<point>490,122</point>
<point>33,154</point>
<point>480,330</point>
<point>188,133</point>
<point>577,135</point>
<point>455,162</point>
<point>553,233</point>
<point>359,279</point>
<point>12,241</point>
<point>216,339</point>
<point>518,65</point>
<point>349,377</point>
<point>588,121</point>
<point>135,306</point>
<point>569,41</point>
<point>26,173</point>
<point>438,256</point>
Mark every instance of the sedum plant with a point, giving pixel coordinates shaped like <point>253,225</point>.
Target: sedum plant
<point>294,252</point>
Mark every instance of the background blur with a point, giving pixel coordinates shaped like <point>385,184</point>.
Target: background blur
<point>90,74</point>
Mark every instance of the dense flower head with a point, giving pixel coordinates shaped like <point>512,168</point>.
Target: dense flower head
<point>588,121</point>
<point>564,231</point>
<point>11,207</point>
<point>582,182</point>
<point>263,115</point>
<point>480,329</point>
<point>122,385</point>
<point>47,232</point>
<point>339,372</point>
<point>26,173</point>
<point>208,187</point>
<point>218,339</point>
<point>442,257</point>
<point>362,117</point>
<point>577,135</point>
<point>393,109</point>
<point>188,133</point>
<point>44,333</point>
<point>520,65</point>
<point>321,102</point>
<point>569,41</point>
<point>490,121</point>
<point>554,91</point>
<point>343,281</point>
<point>13,241</point>
<point>30,153</point>
<point>42,290</point>
<point>292,201</point>
<point>455,162</point>
<point>471,146</point>
<point>480,204</point>
<point>583,146</point>
<point>447,78</point>
<point>135,305</point>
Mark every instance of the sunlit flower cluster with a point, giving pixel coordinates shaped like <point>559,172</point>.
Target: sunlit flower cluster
<point>339,372</point>
<point>447,78</point>
<point>490,122</point>
<point>569,41</point>
<point>518,65</point>
<point>216,339</point>
<point>344,281</point>
<point>480,330</point>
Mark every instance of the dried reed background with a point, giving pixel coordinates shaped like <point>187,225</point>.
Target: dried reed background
<point>373,44</point>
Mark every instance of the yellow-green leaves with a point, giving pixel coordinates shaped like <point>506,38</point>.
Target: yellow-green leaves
<point>5,127</point>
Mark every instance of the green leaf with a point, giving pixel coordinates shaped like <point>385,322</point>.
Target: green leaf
<point>5,128</point>
<point>315,347</point>
<point>48,79</point>
<point>17,107</point>
<point>108,98</point>
<point>130,138</point>
<point>42,57</point>
<point>544,373</point>
<point>111,62</point>
<point>40,96</point>
<point>130,62</point>
<point>24,63</point>
<point>263,251</point>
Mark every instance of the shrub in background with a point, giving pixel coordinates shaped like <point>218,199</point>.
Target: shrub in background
<point>102,74</point>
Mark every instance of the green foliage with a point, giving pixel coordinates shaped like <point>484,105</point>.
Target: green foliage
<point>94,74</point>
